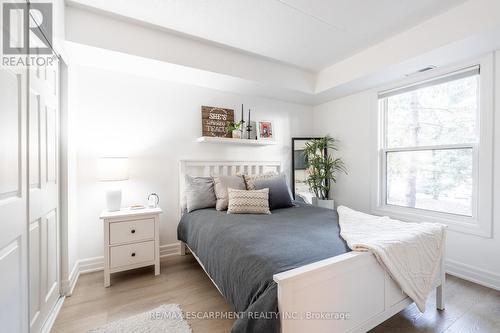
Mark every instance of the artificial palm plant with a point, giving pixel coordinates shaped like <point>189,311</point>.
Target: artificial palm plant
<point>322,167</point>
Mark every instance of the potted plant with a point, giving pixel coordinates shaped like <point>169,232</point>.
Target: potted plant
<point>235,129</point>
<point>322,169</point>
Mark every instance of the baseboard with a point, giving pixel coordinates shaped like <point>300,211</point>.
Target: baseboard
<point>170,249</point>
<point>73,277</point>
<point>473,274</point>
<point>51,319</point>
<point>90,265</point>
<point>95,264</point>
<point>67,286</point>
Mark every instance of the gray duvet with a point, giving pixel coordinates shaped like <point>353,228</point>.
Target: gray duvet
<point>241,253</point>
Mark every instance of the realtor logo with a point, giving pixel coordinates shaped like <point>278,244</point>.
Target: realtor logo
<point>34,38</point>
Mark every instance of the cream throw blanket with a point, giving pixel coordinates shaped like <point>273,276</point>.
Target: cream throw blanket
<point>409,252</point>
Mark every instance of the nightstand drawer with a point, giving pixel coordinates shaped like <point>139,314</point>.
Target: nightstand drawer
<point>124,255</point>
<point>131,231</point>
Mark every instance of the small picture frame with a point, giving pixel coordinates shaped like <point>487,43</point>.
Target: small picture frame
<point>265,130</point>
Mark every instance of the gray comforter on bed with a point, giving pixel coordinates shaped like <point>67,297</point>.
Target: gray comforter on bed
<point>241,253</point>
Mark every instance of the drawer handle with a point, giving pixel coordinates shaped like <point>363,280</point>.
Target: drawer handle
<point>132,231</point>
<point>133,254</point>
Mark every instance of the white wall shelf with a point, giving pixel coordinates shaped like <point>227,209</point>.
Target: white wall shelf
<point>210,139</point>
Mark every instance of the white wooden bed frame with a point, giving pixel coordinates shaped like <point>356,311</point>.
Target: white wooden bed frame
<point>352,288</point>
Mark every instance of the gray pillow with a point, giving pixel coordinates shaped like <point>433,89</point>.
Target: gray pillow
<point>279,193</point>
<point>222,183</point>
<point>199,193</point>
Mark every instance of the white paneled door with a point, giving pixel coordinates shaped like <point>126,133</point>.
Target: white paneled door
<point>13,200</point>
<point>43,193</point>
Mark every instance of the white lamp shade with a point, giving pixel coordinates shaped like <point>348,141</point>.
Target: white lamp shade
<point>113,168</point>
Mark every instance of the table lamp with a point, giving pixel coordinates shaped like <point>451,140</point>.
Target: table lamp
<point>113,169</point>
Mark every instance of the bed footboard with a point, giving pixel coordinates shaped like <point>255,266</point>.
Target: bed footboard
<point>346,293</point>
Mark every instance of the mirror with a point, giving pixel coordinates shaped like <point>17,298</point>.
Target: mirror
<point>300,188</point>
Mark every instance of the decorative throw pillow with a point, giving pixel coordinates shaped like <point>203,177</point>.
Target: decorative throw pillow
<point>248,202</point>
<point>222,183</point>
<point>199,193</point>
<point>250,179</point>
<point>279,193</point>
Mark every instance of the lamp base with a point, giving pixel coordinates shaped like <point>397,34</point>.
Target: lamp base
<point>114,200</point>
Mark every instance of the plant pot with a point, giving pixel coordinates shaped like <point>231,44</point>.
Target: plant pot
<point>236,134</point>
<point>329,204</point>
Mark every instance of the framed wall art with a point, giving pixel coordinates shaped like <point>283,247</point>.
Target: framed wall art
<point>265,130</point>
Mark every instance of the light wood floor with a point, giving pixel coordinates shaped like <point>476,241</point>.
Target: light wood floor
<point>470,307</point>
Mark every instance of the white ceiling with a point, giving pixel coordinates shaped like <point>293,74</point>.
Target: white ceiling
<point>311,34</point>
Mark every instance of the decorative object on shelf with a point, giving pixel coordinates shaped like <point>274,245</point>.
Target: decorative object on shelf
<point>265,130</point>
<point>214,121</point>
<point>249,126</point>
<point>236,129</point>
<point>237,134</point>
<point>153,200</point>
<point>322,168</point>
<point>253,132</point>
<point>242,133</point>
<point>113,169</point>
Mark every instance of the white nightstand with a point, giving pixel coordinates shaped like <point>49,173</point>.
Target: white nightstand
<point>131,240</point>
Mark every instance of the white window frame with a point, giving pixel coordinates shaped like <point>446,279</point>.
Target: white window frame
<point>482,203</point>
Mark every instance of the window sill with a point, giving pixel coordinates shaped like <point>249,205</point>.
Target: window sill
<point>462,224</point>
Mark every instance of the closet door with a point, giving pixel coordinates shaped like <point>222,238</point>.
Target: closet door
<point>43,193</point>
<point>13,200</point>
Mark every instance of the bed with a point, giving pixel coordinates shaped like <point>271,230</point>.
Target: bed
<point>290,271</point>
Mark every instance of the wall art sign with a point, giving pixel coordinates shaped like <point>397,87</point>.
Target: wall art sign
<point>214,121</point>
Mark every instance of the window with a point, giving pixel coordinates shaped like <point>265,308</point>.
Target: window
<point>434,148</point>
<point>429,143</point>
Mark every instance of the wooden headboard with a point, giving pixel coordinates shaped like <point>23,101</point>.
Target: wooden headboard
<point>212,168</point>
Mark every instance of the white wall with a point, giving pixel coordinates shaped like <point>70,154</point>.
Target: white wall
<point>72,168</point>
<point>351,119</point>
<point>156,123</point>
